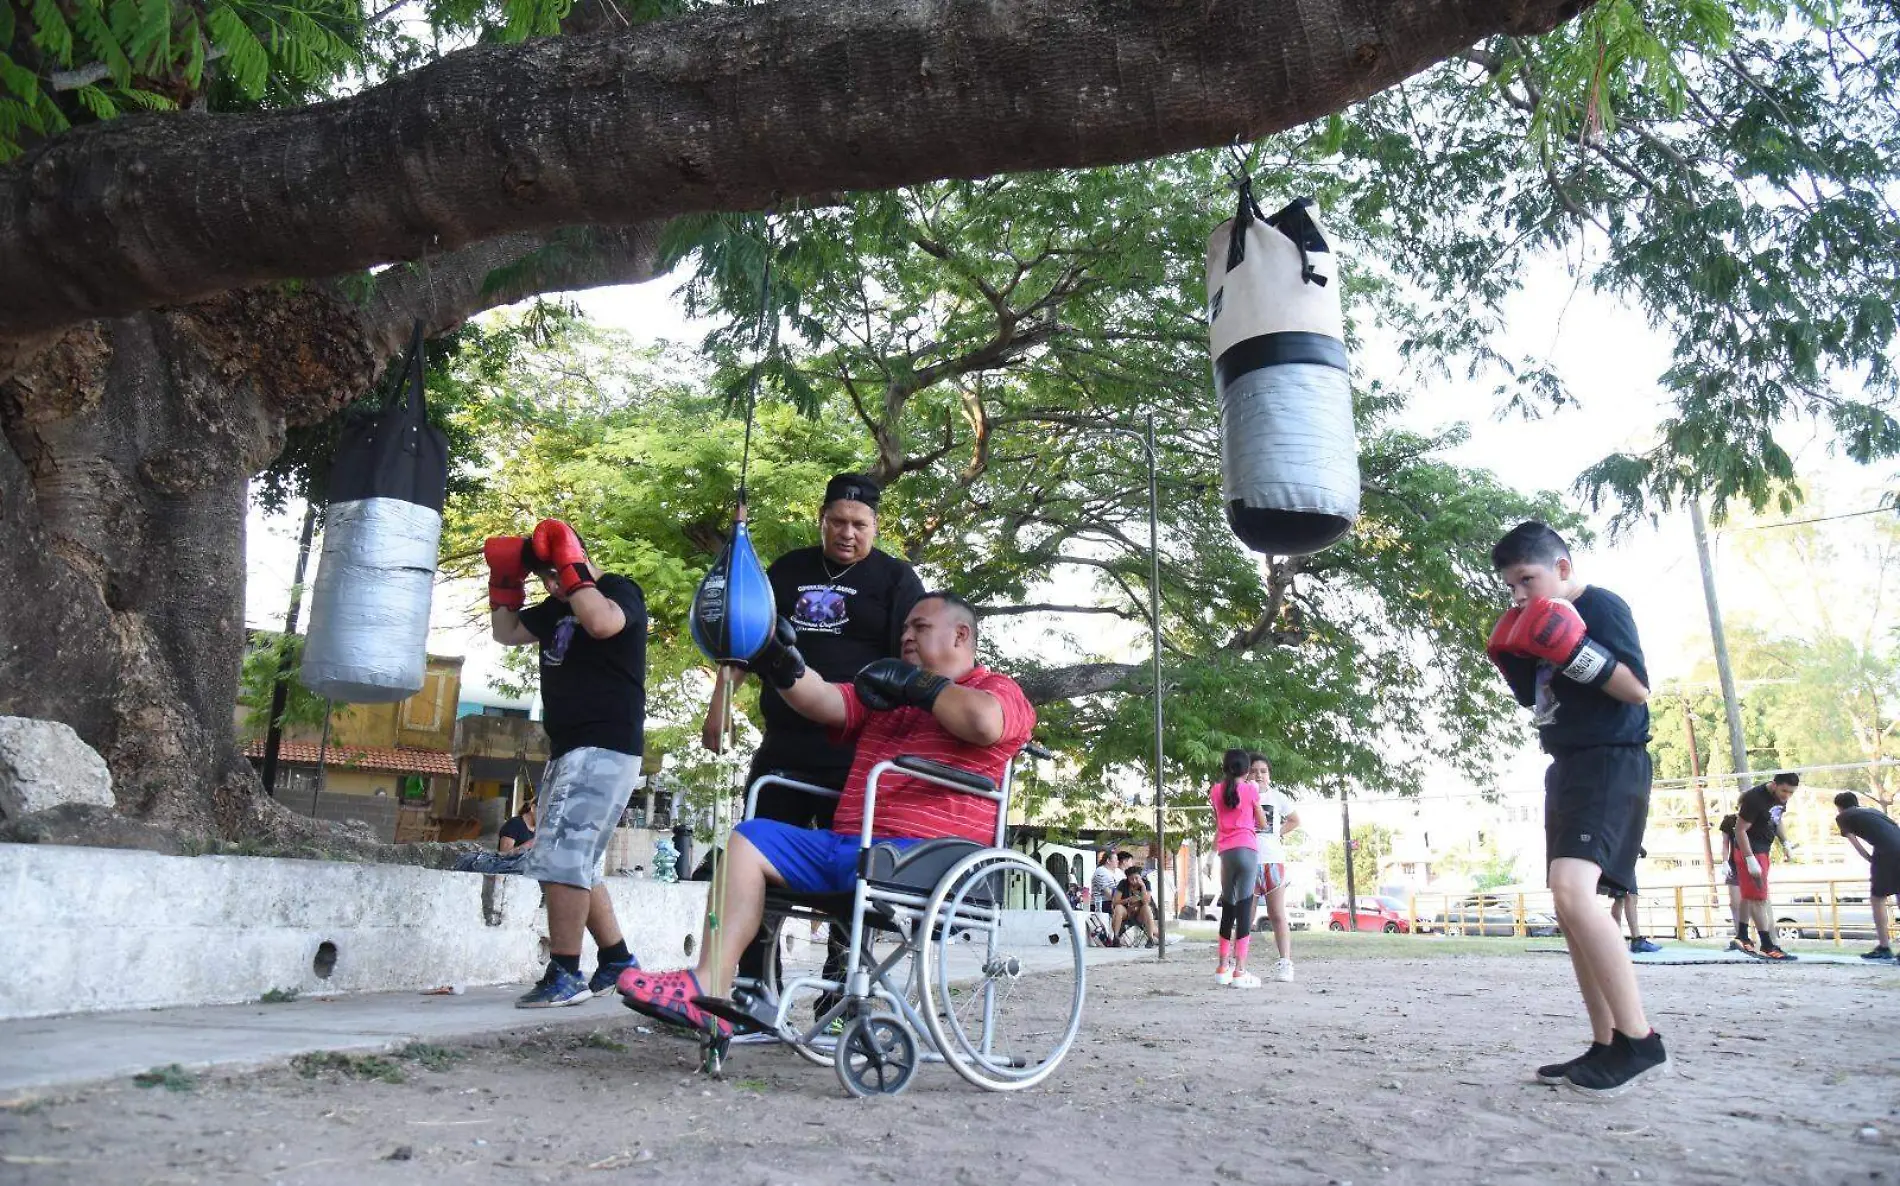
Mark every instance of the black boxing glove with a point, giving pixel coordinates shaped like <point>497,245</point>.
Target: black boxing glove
<point>886,684</point>
<point>778,661</point>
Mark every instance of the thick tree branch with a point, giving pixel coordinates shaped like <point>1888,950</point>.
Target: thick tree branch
<point>732,108</point>
<point>446,291</point>
<point>1082,679</point>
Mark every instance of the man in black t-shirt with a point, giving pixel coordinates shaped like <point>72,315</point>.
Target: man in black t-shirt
<point>592,633</point>
<point>518,833</point>
<point>1877,839</point>
<point>1756,826</point>
<point>848,602</point>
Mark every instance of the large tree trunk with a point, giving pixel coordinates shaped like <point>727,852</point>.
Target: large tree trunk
<point>126,447</point>
<point>129,445</point>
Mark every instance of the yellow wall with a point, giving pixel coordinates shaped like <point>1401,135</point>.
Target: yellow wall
<point>424,721</point>
<point>339,780</point>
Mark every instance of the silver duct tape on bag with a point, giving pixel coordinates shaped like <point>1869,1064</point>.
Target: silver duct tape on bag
<point>369,610</point>
<point>1289,455</point>
<point>1287,443</point>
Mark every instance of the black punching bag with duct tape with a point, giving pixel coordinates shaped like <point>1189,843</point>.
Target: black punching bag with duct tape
<point>1289,461</point>
<point>369,608</point>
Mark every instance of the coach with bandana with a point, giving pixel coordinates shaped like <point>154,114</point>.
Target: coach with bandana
<point>848,601</point>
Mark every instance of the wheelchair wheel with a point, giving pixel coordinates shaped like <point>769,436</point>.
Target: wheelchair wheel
<point>796,952</point>
<point>876,1056</point>
<point>1002,995</point>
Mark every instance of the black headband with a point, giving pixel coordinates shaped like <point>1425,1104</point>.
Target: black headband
<point>853,488</point>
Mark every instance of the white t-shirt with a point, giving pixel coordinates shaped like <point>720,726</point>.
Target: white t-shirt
<point>1276,805</point>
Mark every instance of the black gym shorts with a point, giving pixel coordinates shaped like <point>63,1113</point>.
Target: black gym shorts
<point>1886,877</point>
<point>1596,803</point>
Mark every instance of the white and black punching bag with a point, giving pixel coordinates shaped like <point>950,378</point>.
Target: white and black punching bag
<point>369,608</point>
<point>1288,456</point>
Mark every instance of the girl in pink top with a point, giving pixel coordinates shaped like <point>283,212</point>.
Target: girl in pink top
<point>1238,821</point>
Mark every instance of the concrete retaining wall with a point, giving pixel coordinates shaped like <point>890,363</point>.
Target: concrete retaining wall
<point>92,929</point>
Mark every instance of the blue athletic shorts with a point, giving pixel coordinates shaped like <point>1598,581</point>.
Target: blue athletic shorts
<point>810,861</point>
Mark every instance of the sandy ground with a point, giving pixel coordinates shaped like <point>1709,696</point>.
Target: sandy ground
<point>1390,1060</point>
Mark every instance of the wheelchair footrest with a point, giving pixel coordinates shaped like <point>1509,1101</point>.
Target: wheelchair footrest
<point>742,1021</point>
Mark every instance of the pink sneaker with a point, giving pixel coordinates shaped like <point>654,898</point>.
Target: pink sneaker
<point>668,997</point>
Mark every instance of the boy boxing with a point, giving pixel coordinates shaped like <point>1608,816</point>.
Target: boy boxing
<point>1569,651</point>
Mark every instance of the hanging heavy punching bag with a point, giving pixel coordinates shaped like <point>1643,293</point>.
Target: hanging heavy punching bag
<point>369,608</point>
<point>733,610</point>
<point>1289,462</point>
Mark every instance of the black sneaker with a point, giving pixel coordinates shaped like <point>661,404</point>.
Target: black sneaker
<point>1878,953</point>
<point>1555,1072</point>
<point>1617,1070</point>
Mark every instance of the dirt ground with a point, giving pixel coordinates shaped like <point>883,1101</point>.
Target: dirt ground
<point>1391,1060</point>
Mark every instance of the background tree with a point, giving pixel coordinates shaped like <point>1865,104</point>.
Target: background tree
<point>1371,843</point>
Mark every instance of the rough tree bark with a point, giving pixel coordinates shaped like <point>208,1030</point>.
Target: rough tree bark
<point>731,108</point>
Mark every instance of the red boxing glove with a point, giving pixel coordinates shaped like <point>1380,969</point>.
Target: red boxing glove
<point>1499,647</point>
<point>508,567</point>
<point>558,547</point>
<point>1552,630</point>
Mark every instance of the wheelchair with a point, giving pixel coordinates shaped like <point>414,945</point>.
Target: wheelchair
<point>942,963</point>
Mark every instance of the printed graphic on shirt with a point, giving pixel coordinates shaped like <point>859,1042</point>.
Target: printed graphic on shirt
<point>554,651</point>
<point>1545,710</point>
<point>821,608</point>
<point>1273,817</point>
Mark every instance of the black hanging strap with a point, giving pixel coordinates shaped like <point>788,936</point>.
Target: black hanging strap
<point>1295,221</point>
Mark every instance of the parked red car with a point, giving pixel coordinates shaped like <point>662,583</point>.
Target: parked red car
<point>1374,914</point>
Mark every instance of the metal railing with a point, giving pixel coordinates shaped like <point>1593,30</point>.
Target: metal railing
<point>1835,910</point>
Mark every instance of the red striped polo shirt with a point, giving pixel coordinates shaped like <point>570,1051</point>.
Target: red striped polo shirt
<point>907,807</point>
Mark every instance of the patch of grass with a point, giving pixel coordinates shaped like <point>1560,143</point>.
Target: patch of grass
<point>171,1078</point>
<point>278,996</point>
<point>355,1066</point>
<point>758,1085</point>
<point>600,1041</point>
<point>433,1057</point>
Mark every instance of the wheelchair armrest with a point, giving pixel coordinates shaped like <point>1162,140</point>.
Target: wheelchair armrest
<point>752,791</point>
<point>950,774</point>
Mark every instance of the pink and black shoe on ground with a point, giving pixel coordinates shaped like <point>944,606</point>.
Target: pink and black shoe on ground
<point>668,997</point>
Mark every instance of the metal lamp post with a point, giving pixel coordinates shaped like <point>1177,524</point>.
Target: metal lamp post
<point>1147,440</point>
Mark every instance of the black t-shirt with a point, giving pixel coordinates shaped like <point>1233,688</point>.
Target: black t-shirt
<point>1880,833</point>
<point>593,690</point>
<point>1570,715</point>
<point>846,617</point>
<point>517,830</point>
<point>1756,810</point>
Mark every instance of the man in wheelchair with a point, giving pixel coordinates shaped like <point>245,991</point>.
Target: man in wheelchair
<point>933,702</point>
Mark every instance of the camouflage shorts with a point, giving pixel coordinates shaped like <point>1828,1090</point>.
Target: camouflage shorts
<point>583,793</point>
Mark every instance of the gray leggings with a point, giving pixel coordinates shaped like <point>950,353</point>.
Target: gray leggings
<point>1239,871</point>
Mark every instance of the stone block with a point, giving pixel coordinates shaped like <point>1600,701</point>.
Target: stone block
<point>44,764</point>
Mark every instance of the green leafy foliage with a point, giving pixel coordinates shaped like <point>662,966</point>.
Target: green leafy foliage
<point>272,653</point>
<point>67,61</point>
<point>1371,843</point>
